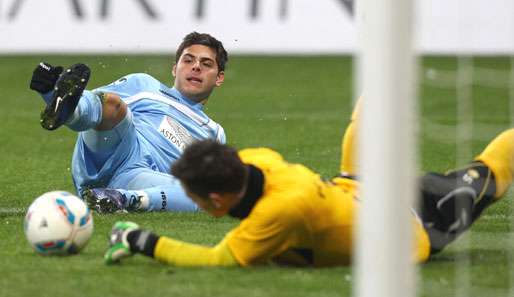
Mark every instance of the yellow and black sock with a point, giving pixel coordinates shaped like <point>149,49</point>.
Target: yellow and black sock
<point>499,157</point>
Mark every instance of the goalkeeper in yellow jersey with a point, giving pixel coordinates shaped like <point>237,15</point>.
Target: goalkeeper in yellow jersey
<point>290,216</point>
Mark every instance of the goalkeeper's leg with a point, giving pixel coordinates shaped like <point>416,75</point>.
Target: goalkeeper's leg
<point>453,201</point>
<point>349,166</point>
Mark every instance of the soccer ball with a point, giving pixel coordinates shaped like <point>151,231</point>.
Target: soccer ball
<point>58,223</point>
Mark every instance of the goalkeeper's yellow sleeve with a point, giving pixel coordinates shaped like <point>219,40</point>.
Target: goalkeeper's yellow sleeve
<point>179,253</point>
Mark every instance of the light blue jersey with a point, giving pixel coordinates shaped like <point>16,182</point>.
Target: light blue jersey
<point>138,153</point>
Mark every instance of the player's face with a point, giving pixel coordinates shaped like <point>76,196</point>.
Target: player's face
<point>196,72</point>
<point>216,205</point>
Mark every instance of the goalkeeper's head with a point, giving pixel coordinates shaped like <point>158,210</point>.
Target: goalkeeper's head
<point>213,176</point>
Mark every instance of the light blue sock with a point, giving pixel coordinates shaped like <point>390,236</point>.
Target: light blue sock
<point>88,113</point>
<point>160,198</point>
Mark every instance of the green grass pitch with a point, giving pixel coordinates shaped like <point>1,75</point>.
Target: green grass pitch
<point>296,105</point>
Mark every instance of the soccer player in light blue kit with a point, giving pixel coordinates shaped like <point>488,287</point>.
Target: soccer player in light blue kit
<point>132,130</point>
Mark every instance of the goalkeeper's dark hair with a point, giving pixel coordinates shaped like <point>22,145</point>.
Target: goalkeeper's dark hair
<point>207,40</point>
<point>208,166</point>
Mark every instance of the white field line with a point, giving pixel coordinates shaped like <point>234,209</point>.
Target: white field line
<point>493,78</point>
<point>12,210</point>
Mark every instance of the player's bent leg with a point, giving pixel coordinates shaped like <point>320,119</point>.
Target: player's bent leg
<point>107,140</point>
<point>98,111</point>
<point>114,110</point>
<point>67,93</point>
<point>98,154</point>
<point>141,190</point>
<point>499,157</point>
<point>88,113</point>
<point>105,200</point>
<point>452,202</point>
<point>164,192</point>
<point>421,240</point>
<point>348,166</point>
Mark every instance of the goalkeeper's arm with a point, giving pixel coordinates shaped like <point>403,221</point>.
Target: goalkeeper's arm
<point>171,251</point>
<point>181,253</point>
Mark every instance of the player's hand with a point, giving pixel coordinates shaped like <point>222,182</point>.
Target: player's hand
<point>119,247</point>
<point>44,77</point>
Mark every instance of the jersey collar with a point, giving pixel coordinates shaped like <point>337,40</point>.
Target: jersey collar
<point>174,93</point>
<point>254,191</point>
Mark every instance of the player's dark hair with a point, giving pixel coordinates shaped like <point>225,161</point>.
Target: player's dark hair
<point>207,40</point>
<point>208,166</point>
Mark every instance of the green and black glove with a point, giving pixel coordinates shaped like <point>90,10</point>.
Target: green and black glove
<point>126,240</point>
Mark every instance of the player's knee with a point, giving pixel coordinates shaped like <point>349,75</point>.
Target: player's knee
<point>114,111</point>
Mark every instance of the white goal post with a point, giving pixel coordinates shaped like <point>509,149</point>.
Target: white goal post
<point>384,260</point>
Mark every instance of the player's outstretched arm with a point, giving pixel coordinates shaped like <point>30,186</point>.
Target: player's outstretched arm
<point>128,239</point>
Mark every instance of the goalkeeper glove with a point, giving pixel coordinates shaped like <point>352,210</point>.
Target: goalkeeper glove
<point>126,239</point>
<point>44,77</point>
